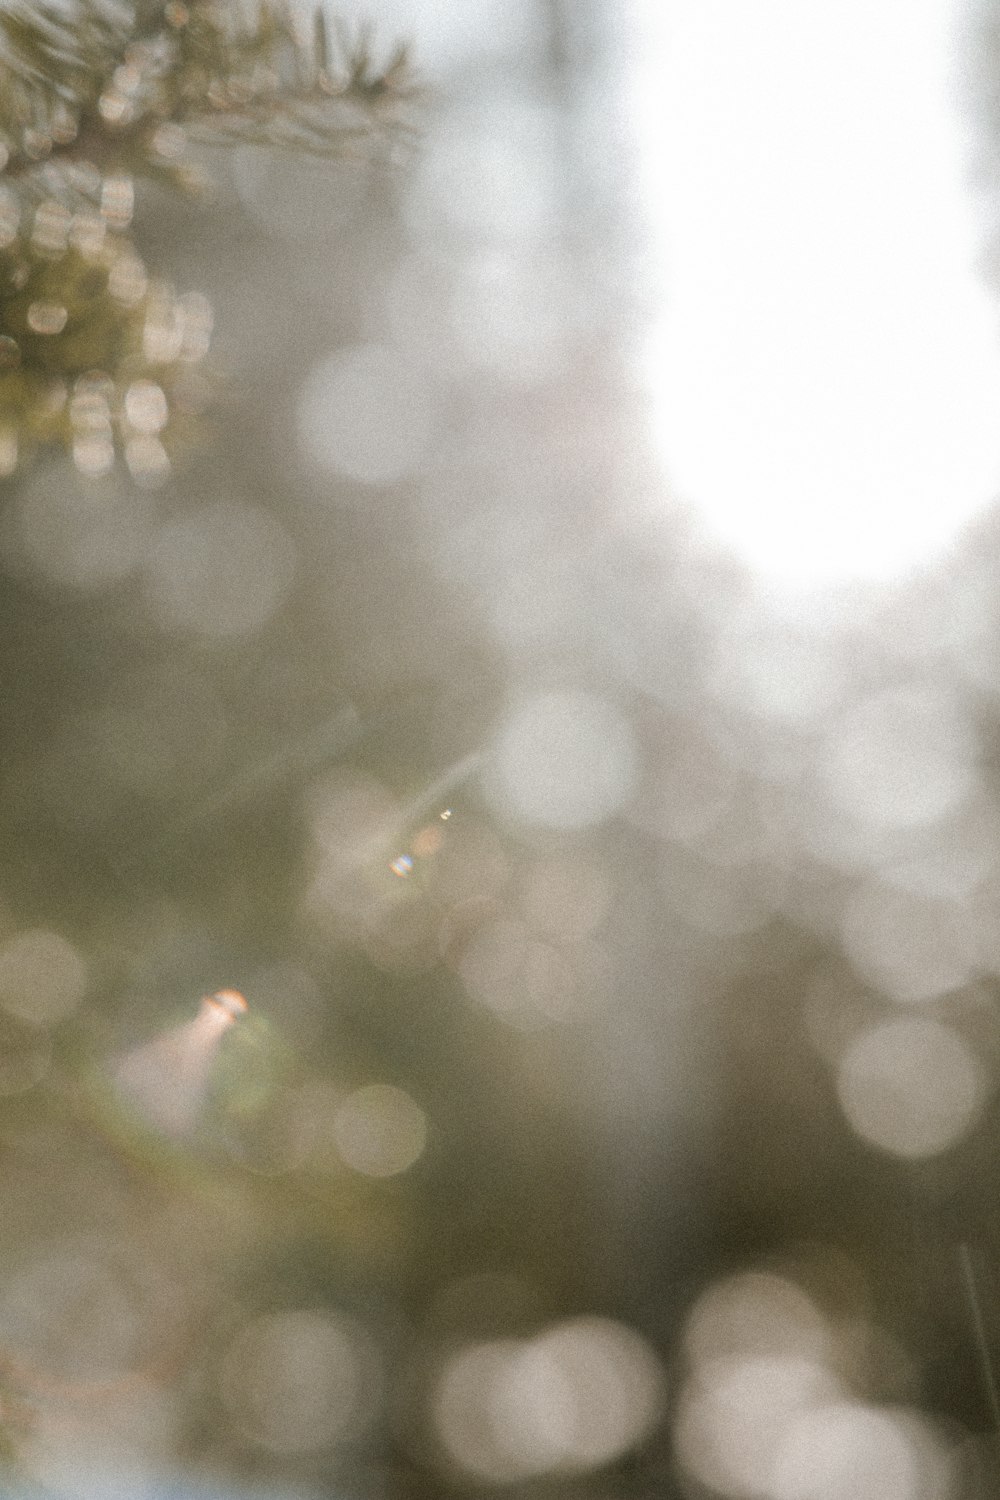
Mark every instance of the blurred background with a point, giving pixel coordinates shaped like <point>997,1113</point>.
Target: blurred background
<point>560,694</point>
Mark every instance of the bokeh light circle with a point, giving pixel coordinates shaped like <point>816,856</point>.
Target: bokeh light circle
<point>574,1398</point>
<point>736,1414</point>
<point>368,414</point>
<point>222,570</point>
<point>379,1130</point>
<point>755,1312</point>
<point>846,1451</point>
<point>42,977</point>
<point>563,760</point>
<point>298,1381</point>
<point>912,1087</point>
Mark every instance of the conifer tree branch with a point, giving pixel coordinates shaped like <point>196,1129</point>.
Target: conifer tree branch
<point>85,85</point>
<point>95,352</point>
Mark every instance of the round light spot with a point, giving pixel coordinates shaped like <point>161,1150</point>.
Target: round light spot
<point>93,454</point>
<point>368,414</point>
<point>73,530</point>
<point>578,1396</point>
<point>573,1399</point>
<point>47,317</point>
<point>146,406</point>
<point>902,759</point>
<point>42,977</point>
<point>380,1131</point>
<point>147,461</point>
<point>74,1314</point>
<point>462,1411</point>
<point>221,570</point>
<point>911,1087</point>
<point>297,1381</point>
<point>491,964</point>
<point>563,760</point>
<point>846,1451</point>
<point>759,1314</point>
<point>910,946</point>
<point>736,1415</point>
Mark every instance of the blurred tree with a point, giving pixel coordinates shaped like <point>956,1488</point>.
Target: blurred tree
<point>98,352</point>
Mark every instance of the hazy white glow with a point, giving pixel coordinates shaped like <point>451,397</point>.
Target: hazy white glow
<point>900,759</point>
<point>824,376</point>
<point>368,414</point>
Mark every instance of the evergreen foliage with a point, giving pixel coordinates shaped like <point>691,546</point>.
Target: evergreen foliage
<point>96,351</point>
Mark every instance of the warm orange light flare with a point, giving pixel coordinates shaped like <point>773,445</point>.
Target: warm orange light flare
<point>227,1004</point>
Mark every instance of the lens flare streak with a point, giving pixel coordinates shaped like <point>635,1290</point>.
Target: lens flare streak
<point>166,1080</point>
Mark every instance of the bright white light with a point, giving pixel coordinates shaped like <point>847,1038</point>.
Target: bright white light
<point>824,375</point>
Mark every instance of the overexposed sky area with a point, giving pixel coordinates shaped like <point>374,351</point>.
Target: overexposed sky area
<point>824,369</point>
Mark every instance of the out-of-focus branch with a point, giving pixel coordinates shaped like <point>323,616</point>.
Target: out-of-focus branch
<point>93,94</point>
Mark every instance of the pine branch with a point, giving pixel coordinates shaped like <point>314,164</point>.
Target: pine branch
<point>84,85</point>
<point>93,350</point>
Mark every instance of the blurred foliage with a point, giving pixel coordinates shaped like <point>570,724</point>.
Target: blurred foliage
<point>92,96</point>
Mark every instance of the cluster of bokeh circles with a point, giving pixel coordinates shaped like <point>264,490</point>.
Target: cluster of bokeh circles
<point>783,1398</point>
<point>493,783</point>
